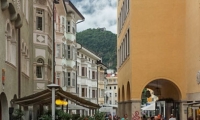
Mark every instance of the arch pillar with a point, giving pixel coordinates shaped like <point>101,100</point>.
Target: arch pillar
<point>4,107</point>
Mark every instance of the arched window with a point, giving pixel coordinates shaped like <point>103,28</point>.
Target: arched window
<point>39,68</point>
<point>27,62</point>
<point>13,48</point>
<point>8,30</point>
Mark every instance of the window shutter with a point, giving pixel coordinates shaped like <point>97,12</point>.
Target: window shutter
<point>85,71</point>
<point>65,81</point>
<point>66,53</point>
<point>71,52</point>
<point>63,50</point>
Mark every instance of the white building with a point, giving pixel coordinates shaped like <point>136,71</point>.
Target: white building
<point>87,72</point>
<point>66,54</point>
<point>111,92</point>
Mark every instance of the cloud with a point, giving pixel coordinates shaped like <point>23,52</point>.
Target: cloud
<point>98,14</point>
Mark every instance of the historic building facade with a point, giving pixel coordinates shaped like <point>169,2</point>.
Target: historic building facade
<point>111,85</point>
<point>66,46</point>
<point>158,48</point>
<point>89,78</point>
<point>42,39</point>
<point>16,35</point>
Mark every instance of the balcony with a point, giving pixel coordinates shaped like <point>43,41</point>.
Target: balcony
<point>60,28</point>
<point>70,36</point>
<point>83,60</point>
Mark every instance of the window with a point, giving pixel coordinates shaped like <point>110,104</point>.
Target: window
<point>74,28</point>
<point>114,87</point>
<point>102,92</point>
<point>39,66</point>
<point>58,50</point>
<point>78,53</point>
<point>63,50</point>
<point>27,10</point>
<point>93,93</point>
<point>110,94</point>
<point>68,26</point>
<point>110,102</point>
<point>73,79</point>
<point>115,102</point>
<point>77,70</point>
<point>68,78</point>
<point>83,92</point>
<point>84,71</point>
<point>128,42</point>
<point>78,90</point>
<point>11,54</point>
<point>110,88</point>
<point>68,52</point>
<point>115,94</point>
<point>39,19</point>
<point>93,75</point>
<point>63,78</point>
<point>89,74</point>
<point>58,79</point>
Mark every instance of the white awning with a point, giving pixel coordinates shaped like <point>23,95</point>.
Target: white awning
<point>75,107</point>
<point>149,107</point>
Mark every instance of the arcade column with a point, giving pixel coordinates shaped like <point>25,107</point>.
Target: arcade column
<point>135,110</point>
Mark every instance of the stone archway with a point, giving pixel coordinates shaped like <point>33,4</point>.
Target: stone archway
<point>128,93</point>
<point>123,93</point>
<point>118,94</point>
<point>4,112</point>
<point>165,94</point>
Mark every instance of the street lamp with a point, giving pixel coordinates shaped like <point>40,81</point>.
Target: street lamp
<point>53,88</point>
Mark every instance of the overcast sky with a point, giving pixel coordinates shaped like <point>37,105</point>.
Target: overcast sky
<point>98,14</point>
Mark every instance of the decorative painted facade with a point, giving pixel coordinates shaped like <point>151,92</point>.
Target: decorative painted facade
<point>42,40</point>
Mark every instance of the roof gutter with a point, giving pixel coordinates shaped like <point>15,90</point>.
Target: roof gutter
<point>80,21</point>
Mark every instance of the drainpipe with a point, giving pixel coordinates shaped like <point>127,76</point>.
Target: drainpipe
<point>76,70</point>
<point>97,85</point>
<point>80,21</point>
<point>19,64</point>
<point>76,78</point>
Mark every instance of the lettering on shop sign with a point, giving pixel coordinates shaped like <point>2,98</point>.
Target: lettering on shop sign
<point>136,116</point>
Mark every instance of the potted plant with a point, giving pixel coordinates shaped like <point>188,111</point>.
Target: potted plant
<point>17,114</point>
<point>99,116</point>
<point>45,117</point>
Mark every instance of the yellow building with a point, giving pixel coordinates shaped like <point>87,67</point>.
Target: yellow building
<point>158,48</point>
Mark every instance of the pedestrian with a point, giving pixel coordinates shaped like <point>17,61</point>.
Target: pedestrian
<point>144,117</point>
<point>172,117</point>
<point>125,117</point>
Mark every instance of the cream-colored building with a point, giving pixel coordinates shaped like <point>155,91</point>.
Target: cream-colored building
<point>158,48</point>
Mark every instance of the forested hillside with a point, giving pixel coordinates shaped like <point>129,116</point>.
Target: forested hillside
<point>101,42</point>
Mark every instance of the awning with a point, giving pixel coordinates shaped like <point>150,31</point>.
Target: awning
<point>149,107</point>
<point>44,98</point>
<point>75,107</point>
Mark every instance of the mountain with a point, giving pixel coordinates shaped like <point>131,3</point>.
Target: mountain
<point>101,42</point>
